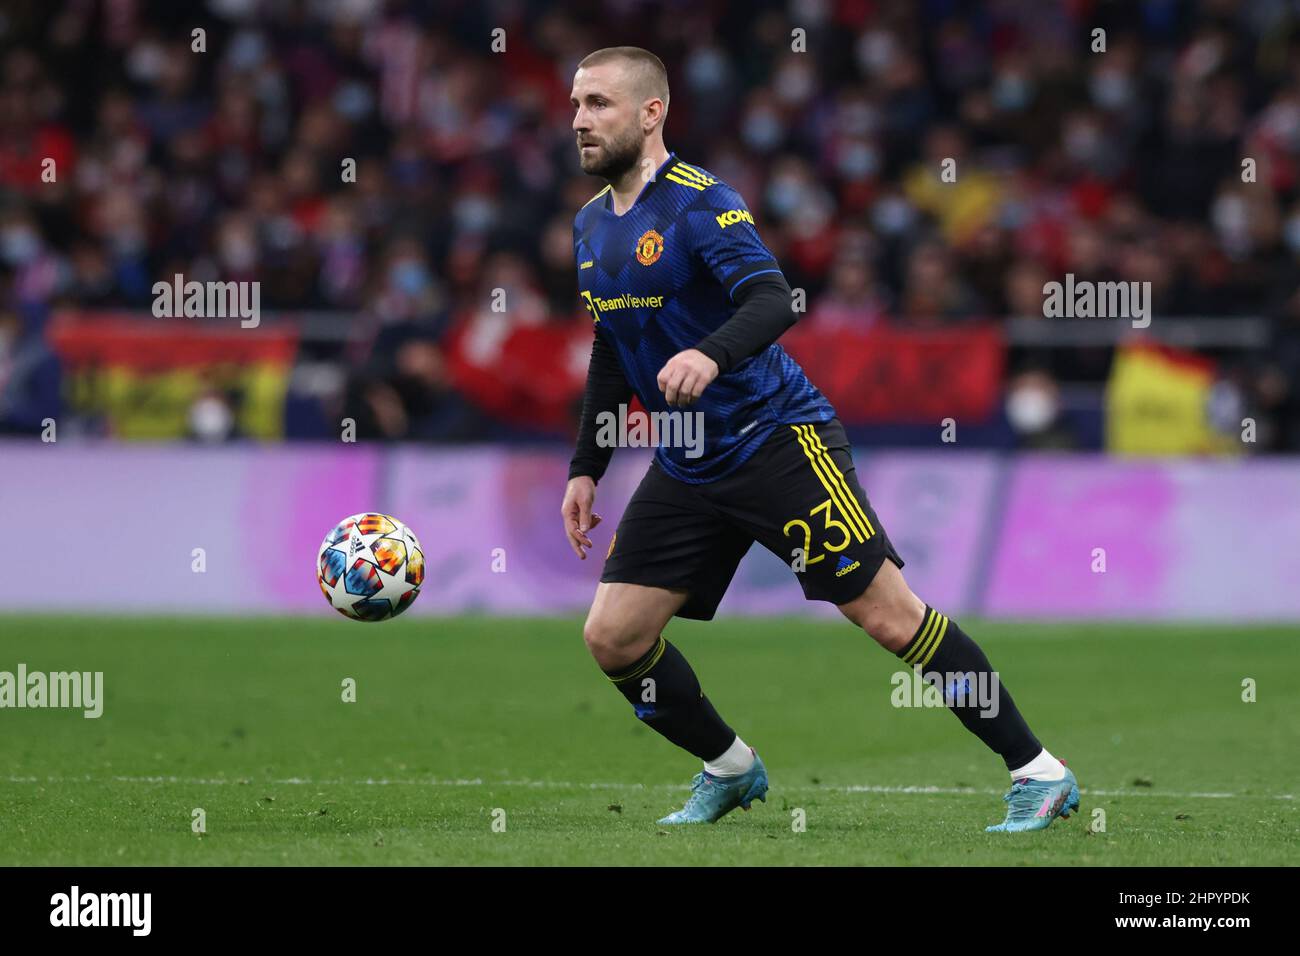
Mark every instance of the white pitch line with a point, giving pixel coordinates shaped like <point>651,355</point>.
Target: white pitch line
<point>570,785</point>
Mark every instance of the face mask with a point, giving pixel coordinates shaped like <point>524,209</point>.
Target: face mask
<point>1111,90</point>
<point>892,215</point>
<point>353,101</point>
<point>1291,233</point>
<point>1284,123</point>
<point>762,131</point>
<point>859,161</point>
<point>1229,217</point>
<point>1224,406</point>
<point>126,241</point>
<point>474,213</point>
<point>18,245</point>
<point>409,278</point>
<point>707,70</point>
<point>211,419</point>
<point>794,85</point>
<point>1011,92</point>
<point>246,51</point>
<point>1013,214</point>
<point>145,62</point>
<point>784,196</point>
<point>1030,410</point>
<point>875,51</point>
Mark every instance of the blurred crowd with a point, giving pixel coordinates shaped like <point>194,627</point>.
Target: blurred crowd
<point>228,164</point>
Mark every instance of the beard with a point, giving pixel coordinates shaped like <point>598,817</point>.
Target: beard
<point>614,158</point>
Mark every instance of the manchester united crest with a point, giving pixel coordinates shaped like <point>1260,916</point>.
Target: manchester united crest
<point>649,247</point>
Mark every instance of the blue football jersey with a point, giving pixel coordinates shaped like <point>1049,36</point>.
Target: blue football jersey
<point>660,279</point>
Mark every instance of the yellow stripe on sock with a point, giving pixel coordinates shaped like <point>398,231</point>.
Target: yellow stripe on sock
<point>654,659</point>
<point>927,632</point>
<point>934,644</point>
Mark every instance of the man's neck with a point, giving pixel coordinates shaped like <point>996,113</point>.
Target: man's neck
<point>629,186</point>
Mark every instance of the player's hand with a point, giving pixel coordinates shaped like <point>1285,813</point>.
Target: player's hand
<point>686,376</point>
<point>578,516</point>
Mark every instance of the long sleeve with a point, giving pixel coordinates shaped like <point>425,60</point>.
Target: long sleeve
<point>764,313</point>
<point>606,389</point>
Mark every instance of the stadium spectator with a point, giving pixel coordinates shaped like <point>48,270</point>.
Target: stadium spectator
<point>229,164</point>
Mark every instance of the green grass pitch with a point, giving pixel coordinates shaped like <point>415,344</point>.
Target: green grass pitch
<point>464,721</point>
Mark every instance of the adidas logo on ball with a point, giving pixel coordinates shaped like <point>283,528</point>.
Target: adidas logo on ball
<point>370,582</point>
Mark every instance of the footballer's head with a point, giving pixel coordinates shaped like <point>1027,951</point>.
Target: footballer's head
<point>620,99</point>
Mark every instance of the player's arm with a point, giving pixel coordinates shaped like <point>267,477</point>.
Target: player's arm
<point>765,310</point>
<point>606,389</point>
<point>724,237</point>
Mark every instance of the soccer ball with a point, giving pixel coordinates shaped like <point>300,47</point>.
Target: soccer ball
<point>370,567</point>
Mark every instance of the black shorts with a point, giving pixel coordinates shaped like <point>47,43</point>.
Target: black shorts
<point>798,496</point>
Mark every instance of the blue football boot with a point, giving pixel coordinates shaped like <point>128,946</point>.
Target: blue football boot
<point>713,797</point>
<point>1034,804</point>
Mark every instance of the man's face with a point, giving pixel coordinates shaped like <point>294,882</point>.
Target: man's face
<point>607,121</point>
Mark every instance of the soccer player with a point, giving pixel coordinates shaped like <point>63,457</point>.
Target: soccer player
<point>687,303</point>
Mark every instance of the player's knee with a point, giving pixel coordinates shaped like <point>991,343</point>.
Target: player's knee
<point>597,636</point>
<point>887,627</point>
<point>611,642</point>
<point>890,623</point>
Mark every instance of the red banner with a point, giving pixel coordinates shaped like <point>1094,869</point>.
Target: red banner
<point>533,375</point>
<point>155,344</point>
<point>888,376</point>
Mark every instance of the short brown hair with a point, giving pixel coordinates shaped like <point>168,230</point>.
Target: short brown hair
<point>649,78</point>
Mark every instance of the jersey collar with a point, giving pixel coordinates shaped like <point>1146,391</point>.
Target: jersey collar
<point>645,190</point>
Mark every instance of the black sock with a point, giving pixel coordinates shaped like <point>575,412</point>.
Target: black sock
<point>666,696</point>
<point>940,646</point>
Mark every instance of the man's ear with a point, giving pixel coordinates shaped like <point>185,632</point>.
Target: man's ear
<point>653,111</point>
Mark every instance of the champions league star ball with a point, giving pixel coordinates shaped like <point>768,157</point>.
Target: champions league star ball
<point>370,567</point>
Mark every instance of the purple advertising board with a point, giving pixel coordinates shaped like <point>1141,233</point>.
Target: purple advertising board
<point>236,529</point>
<point>175,528</point>
<point>1093,537</point>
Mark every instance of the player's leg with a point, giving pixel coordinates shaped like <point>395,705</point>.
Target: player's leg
<point>626,620</point>
<point>924,638</point>
<point>624,633</point>
<point>809,508</point>
<point>671,555</point>
<point>949,659</point>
